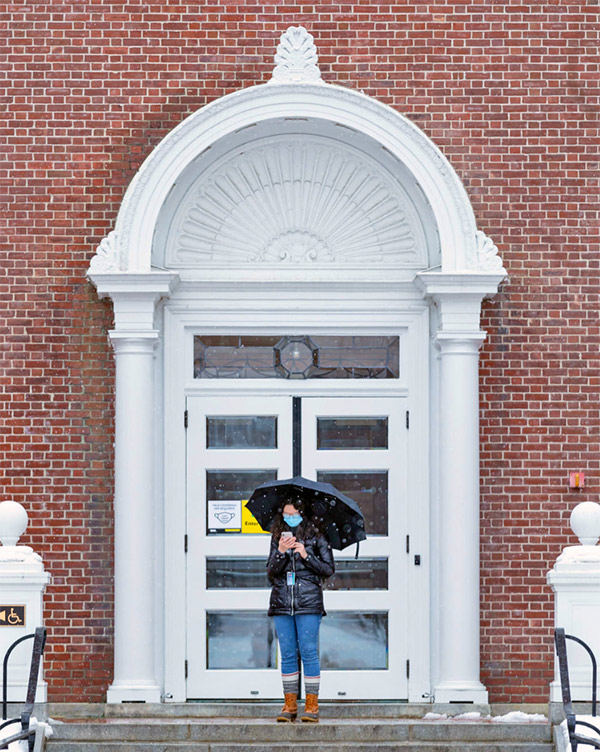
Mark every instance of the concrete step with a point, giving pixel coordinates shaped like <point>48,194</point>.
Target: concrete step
<point>253,709</point>
<point>406,746</point>
<point>234,734</point>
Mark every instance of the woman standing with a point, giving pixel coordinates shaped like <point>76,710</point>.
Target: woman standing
<point>299,560</point>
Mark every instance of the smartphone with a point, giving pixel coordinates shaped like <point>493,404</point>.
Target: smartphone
<point>287,534</point>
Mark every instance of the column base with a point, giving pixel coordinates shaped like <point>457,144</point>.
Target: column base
<point>471,692</point>
<point>133,693</point>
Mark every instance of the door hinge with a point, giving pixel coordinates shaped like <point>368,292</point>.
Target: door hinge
<point>186,669</point>
<point>185,544</point>
<point>407,419</point>
<point>408,544</point>
<point>185,419</point>
<point>408,669</point>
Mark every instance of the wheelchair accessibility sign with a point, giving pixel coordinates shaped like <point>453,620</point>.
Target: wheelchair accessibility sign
<point>12,616</point>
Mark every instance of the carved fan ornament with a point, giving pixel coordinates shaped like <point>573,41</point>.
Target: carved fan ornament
<point>295,202</point>
<point>296,60</point>
<point>106,258</point>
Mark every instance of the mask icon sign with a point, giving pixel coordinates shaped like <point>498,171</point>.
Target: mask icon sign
<point>224,517</point>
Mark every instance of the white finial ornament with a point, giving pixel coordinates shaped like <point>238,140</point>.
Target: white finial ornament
<point>296,61</point>
<point>13,522</point>
<point>585,522</point>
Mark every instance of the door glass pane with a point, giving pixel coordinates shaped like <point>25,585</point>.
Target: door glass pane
<point>352,433</point>
<point>226,492</point>
<point>231,572</point>
<point>351,641</point>
<point>241,432</point>
<point>364,574</point>
<point>369,489</point>
<point>240,640</point>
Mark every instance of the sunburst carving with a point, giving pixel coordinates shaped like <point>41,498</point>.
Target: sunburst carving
<point>295,202</point>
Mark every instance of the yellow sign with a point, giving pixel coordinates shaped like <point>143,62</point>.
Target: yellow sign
<point>12,616</point>
<point>249,523</point>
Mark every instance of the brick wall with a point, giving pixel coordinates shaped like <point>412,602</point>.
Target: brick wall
<point>507,90</point>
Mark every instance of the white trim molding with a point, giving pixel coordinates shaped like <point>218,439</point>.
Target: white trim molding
<point>317,290</point>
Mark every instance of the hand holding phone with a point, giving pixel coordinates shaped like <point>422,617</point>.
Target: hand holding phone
<point>286,541</point>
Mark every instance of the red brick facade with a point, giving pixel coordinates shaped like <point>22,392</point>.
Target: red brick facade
<point>507,90</point>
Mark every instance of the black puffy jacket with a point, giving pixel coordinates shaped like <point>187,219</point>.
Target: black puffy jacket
<point>306,596</point>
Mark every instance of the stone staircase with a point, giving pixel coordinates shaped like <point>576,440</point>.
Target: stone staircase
<point>351,727</point>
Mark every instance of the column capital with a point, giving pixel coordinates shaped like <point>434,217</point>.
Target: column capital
<point>133,342</point>
<point>459,343</point>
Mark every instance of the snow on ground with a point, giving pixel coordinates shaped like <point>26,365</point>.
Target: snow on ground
<point>515,716</point>
<point>583,730</point>
<point>14,728</point>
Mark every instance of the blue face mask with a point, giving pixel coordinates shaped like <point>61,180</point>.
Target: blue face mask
<point>293,520</point>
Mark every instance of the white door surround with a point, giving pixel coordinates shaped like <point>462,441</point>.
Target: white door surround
<point>157,310</point>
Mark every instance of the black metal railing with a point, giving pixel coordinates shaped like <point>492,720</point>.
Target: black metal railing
<point>39,643</point>
<point>560,640</point>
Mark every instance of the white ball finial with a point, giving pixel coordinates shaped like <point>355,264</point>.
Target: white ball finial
<point>13,522</point>
<point>585,522</point>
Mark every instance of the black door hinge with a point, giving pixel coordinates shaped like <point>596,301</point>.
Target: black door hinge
<point>408,544</point>
<point>185,544</point>
<point>407,419</point>
<point>186,669</point>
<point>185,419</point>
<point>408,669</point>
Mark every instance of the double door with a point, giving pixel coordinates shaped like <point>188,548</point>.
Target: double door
<point>235,443</point>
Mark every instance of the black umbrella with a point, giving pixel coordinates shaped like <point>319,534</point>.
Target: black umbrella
<point>342,520</point>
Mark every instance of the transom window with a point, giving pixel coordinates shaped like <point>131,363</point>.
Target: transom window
<point>296,357</point>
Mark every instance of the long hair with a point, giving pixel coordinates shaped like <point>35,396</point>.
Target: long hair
<point>309,525</point>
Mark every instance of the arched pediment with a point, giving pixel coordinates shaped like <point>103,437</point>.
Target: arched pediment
<point>398,203</point>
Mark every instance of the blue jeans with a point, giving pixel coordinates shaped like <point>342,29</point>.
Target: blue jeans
<point>300,631</point>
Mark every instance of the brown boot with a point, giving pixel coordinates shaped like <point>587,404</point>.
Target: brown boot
<point>311,709</point>
<point>289,711</point>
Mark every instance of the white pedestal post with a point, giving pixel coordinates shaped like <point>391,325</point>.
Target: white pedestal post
<point>134,340</point>
<point>22,584</point>
<point>575,580</point>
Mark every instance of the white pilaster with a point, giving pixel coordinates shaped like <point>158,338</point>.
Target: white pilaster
<point>134,340</point>
<point>459,519</point>
<point>135,676</point>
<point>458,336</point>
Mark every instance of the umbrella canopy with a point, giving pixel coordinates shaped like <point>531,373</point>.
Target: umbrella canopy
<point>342,520</point>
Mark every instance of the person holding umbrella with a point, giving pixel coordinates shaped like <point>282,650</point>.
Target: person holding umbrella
<point>307,519</point>
<point>300,560</point>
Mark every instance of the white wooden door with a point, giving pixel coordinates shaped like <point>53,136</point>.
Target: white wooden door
<point>234,444</point>
<point>359,445</point>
